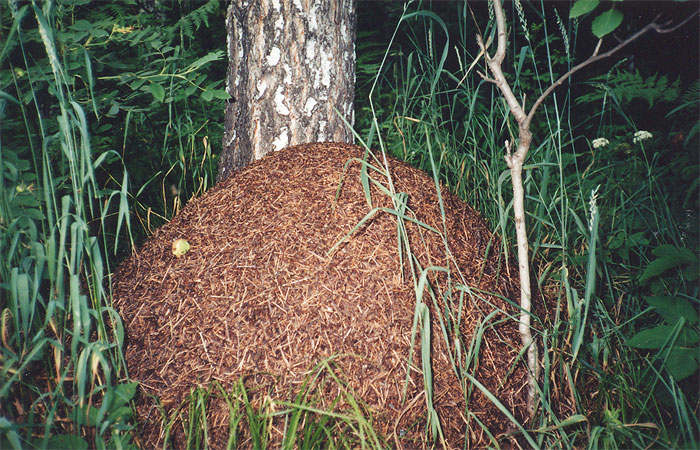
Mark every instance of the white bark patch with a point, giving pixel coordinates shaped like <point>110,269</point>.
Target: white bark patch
<point>279,25</point>
<point>326,67</point>
<point>298,6</point>
<point>232,138</point>
<point>280,107</point>
<point>282,140</point>
<point>274,57</point>
<point>311,18</point>
<point>287,74</point>
<point>262,87</point>
<point>309,106</point>
<point>228,34</point>
<point>277,5</point>
<point>310,51</point>
<point>321,131</point>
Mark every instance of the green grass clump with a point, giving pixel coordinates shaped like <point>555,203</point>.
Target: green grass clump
<point>304,423</point>
<point>83,89</point>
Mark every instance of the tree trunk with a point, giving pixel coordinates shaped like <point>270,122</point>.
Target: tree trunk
<point>291,63</point>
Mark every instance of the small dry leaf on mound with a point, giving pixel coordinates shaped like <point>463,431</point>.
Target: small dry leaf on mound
<point>257,295</point>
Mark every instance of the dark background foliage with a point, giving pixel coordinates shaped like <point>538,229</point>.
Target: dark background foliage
<point>141,86</point>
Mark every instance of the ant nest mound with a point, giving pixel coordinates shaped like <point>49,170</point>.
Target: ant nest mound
<point>260,301</point>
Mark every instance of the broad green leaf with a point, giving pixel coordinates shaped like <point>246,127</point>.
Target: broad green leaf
<point>119,415</point>
<point>88,415</point>
<point>98,33</point>
<point>81,25</point>
<point>673,308</point>
<point>582,7</point>
<point>656,337</point>
<point>209,57</point>
<point>691,272</point>
<point>683,254</point>
<point>157,91</point>
<point>668,257</point>
<point>207,95</point>
<point>123,393</point>
<point>639,239</point>
<point>136,84</point>
<point>113,109</point>
<point>606,23</point>
<point>682,362</point>
<point>221,94</point>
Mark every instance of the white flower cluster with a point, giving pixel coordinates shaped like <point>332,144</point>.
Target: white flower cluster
<point>600,142</point>
<point>640,136</point>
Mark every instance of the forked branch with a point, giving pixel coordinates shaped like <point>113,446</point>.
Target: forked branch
<point>515,164</point>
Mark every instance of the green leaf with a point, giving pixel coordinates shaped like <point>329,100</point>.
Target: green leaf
<point>669,256</point>
<point>157,91</point>
<point>673,308</point>
<point>98,33</point>
<point>606,23</point>
<point>119,415</point>
<point>682,362</point>
<point>221,94</point>
<point>81,25</point>
<point>582,7</point>
<point>207,95</point>
<point>692,272</point>
<point>136,84</point>
<point>671,251</point>
<point>124,392</point>
<point>209,57</point>
<point>656,337</point>
<point>612,416</point>
<point>657,267</point>
<point>13,441</point>
<point>8,97</point>
<point>88,415</point>
<point>639,239</point>
<point>67,441</point>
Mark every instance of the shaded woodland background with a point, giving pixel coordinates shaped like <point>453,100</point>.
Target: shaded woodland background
<point>110,121</point>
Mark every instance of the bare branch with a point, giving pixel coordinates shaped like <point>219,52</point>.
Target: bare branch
<point>486,77</point>
<point>675,27</point>
<point>502,33</point>
<point>515,159</point>
<point>495,65</point>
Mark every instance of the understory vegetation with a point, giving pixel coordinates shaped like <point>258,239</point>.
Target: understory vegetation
<point>111,120</point>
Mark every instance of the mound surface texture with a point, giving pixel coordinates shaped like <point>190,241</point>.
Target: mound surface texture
<point>258,297</point>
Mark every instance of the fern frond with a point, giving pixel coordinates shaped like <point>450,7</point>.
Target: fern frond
<point>628,86</point>
<point>192,21</point>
